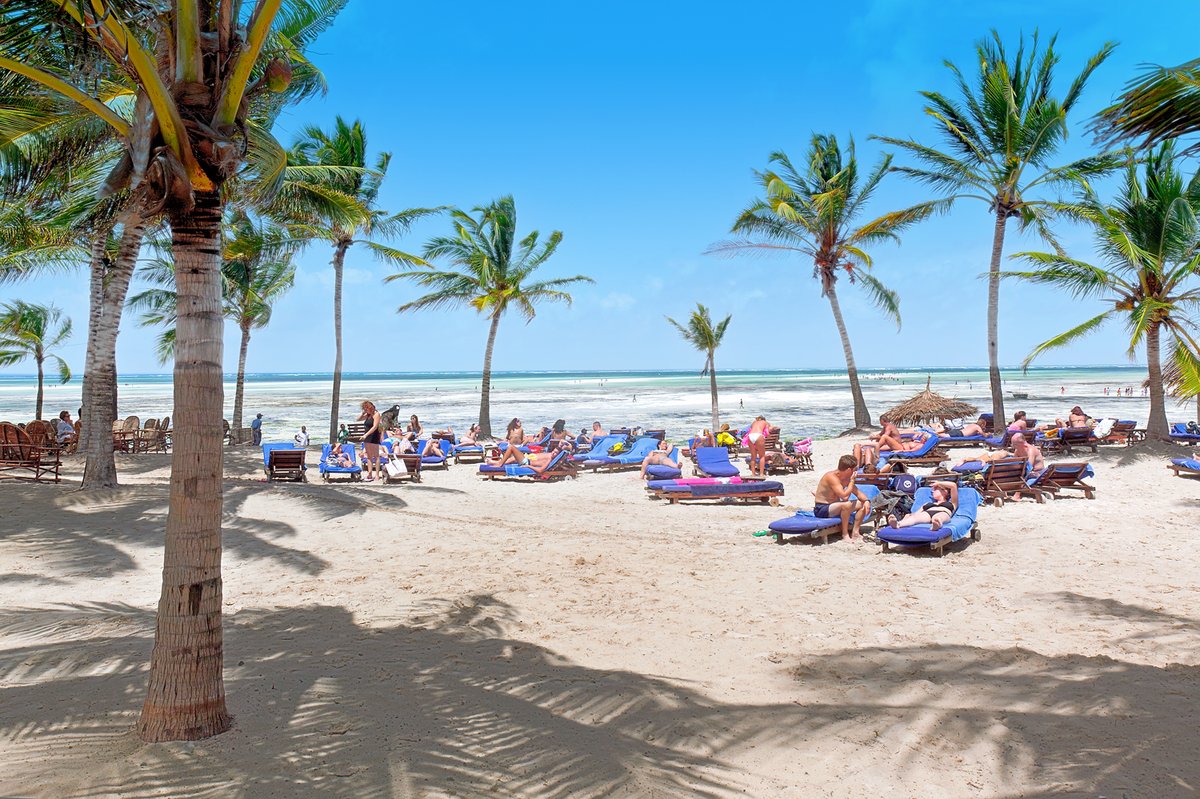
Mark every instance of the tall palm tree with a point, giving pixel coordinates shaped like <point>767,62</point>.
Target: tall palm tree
<point>345,146</point>
<point>702,334</point>
<point>194,66</point>
<point>494,270</point>
<point>256,270</point>
<point>812,210</point>
<point>1000,138</point>
<point>33,331</point>
<point>1149,247</point>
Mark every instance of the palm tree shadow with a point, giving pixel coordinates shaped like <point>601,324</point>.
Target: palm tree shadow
<point>448,703</point>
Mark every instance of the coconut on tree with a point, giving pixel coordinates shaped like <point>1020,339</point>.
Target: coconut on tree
<point>1148,243</point>
<point>194,67</point>
<point>706,337</point>
<point>493,275</point>
<point>1000,138</point>
<point>31,332</point>
<point>813,209</point>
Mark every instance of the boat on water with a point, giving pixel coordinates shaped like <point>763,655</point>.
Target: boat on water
<point>1019,394</point>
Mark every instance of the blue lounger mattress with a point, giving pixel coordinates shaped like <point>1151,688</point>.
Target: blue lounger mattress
<point>1187,463</point>
<point>1083,471</point>
<point>724,489</point>
<point>958,528</point>
<point>657,472</point>
<point>802,523</point>
<point>714,461</point>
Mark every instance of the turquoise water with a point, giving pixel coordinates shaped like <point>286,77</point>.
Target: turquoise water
<point>804,402</point>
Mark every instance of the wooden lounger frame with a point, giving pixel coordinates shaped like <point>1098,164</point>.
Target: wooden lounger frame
<point>286,464</point>
<point>939,546</point>
<point>1183,471</point>
<point>675,497</point>
<point>1005,480</point>
<point>1064,476</point>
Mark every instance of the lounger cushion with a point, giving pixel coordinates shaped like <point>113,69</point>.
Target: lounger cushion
<point>714,461</point>
<point>803,522</point>
<point>725,489</point>
<point>662,485</point>
<point>662,472</point>
<point>957,528</point>
<point>1187,463</point>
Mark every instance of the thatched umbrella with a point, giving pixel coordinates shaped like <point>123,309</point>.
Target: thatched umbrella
<point>929,407</point>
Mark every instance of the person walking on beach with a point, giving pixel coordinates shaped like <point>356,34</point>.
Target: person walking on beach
<point>371,438</point>
<point>256,430</point>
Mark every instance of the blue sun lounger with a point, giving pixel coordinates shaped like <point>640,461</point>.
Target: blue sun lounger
<point>351,472</point>
<point>804,523</point>
<point>599,448</point>
<point>284,462</point>
<point>745,491</point>
<point>921,455</point>
<point>1179,432</point>
<point>664,472</point>
<point>714,462</point>
<point>471,453</point>
<point>434,461</point>
<point>560,466</point>
<point>1059,476</point>
<point>632,458</point>
<point>961,525</point>
<point>1185,467</point>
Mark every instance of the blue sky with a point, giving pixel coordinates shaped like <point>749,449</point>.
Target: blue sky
<point>634,128</point>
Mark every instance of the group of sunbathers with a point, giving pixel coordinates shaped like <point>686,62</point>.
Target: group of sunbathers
<point>837,496</point>
<point>889,439</point>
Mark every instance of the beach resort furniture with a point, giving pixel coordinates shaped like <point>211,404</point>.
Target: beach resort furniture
<point>434,461</point>
<point>1004,440</point>
<point>1185,467</point>
<point>21,459</point>
<point>560,467</point>
<point>1006,479</point>
<point>1064,477</point>
<point>1068,439</point>
<point>805,525</point>
<point>622,461</point>
<point>1179,433</point>
<point>929,454</point>
<point>661,471</point>
<point>284,462</point>
<point>353,472</point>
<point>727,489</point>
<point>961,525</point>
<point>1125,432</point>
<point>600,448</point>
<point>713,462</point>
<point>469,453</point>
<point>412,463</point>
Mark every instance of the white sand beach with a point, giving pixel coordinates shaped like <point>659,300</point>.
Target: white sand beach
<point>459,638</point>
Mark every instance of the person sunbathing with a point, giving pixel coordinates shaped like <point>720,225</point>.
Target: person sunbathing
<point>661,456</point>
<point>837,496</point>
<point>725,438</point>
<point>867,453</point>
<point>470,437</point>
<point>1078,418</point>
<point>560,438</point>
<point>515,435</point>
<point>340,458</point>
<point>433,449</point>
<point>705,439</point>
<point>1018,422</point>
<point>538,461</point>
<point>935,513</point>
<point>965,431</point>
<point>1021,448</point>
<point>594,436</point>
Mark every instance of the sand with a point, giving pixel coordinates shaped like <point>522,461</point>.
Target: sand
<point>460,638</point>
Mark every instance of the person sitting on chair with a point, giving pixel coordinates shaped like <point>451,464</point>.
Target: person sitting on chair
<point>64,428</point>
<point>935,513</point>
<point>837,496</point>
<point>661,456</point>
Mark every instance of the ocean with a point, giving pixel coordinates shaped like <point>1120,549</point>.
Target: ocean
<point>803,402</point>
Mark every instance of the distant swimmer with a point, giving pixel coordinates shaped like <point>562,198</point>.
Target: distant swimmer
<point>741,404</point>
<point>635,397</point>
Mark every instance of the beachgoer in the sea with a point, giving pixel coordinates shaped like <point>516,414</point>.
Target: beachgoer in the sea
<point>371,438</point>
<point>935,513</point>
<point>757,436</point>
<point>661,456</point>
<point>837,496</point>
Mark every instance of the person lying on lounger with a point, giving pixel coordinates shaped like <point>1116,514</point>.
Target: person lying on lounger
<point>935,513</point>
<point>1021,448</point>
<point>659,457</point>
<point>725,438</point>
<point>433,449</point>
<point>538,461</point>
<point>1018,422</point>
<point>560,438</point>
<point>469,437</point>
<point>868,452</point>
<point>967,430</point>
<point>340,457</point>
<point>838,496</point>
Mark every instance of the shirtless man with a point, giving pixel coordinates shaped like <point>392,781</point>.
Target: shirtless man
<point>661,456</point>
<point>837,495</point>
<point>1021,448</point>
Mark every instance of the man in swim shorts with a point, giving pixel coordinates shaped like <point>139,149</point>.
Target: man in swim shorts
<point>838,496</point>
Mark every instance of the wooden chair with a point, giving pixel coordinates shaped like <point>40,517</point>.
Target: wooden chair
<point>1005,479</point>
<point>21,459</point>
<point>1183,470</point>
<point>1063,477</point>
<point>41,433</point>
<point>1124,433</point>
<point>286,464</point>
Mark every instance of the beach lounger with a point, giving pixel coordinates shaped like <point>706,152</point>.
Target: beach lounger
<point>961,525</point>
<point>803,523</point>
<point>1069,439</point>
<point>353,472</point>
<point>713,462</point>
<point>1006,479</point>
<point>561,466</point>
<point>664,472</point>
<point>951,442</point>
<point>433,461</point>
<point>1179,433</point>
<point>599,448</point>
<point>1185,467</point>
<point>629,459</point>
<point>469,453</point>
<point>929,454</point>
<point>284,462</point>
<point>411,460</point>
<point>731,490</point>
<point>1124,431</point>
<point>1064,476</point>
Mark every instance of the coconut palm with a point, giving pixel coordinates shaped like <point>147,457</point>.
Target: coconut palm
<point>345,146</point>
<point>256,270</point>
<point>33,331</point>
<point>494,270</point>
<point>1148,243</point>
<point>1001,136</point>
<point>702,334</point>
<point>194,66</point>
<point>812,210</point>
<point>1162,104</point>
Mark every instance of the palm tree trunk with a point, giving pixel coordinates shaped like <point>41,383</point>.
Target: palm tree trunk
<point>485,388</point>
<point>240,389</point>
<point>41,367</point>
<point>108,289</point>
<point>185,699</point>
<point>712,390</point>
<point>339,260</point>
<point>1156,425</point>
<point>862,416</point>
<point>993,322</point>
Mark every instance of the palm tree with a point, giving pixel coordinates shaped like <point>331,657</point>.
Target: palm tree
<point>194,66</point>
<point>346,147</point>
<point>1149,247</point>
<point>812,210</point>
<point>1000,137</point>
<point>493,273</point>
<point>1163,104</point>
<point>704,336</point>
<point>256,270</point>
<point>32,331</point>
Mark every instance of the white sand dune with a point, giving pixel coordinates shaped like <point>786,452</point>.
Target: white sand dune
<point>460,638</point>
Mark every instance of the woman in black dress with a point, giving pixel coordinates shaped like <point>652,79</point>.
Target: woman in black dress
<point>371,438</point>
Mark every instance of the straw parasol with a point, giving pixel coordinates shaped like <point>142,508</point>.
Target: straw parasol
<point>929,406</point>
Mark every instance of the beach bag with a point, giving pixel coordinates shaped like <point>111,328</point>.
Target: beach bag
<point>396,467</point>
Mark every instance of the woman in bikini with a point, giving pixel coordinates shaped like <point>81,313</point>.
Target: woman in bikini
<point>560,438</point>
<point>659,457</point>
<point>757,436</point>
<point>935,513</point>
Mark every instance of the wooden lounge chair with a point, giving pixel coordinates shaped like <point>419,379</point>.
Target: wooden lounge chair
<point>1185,467</point>
<point>561,467</point>
<point>764,491</point>
<point>1071,438</point>
<point>284,462</point>
<point>21,459</point>
<point>1065,476</point>
<point>1005,479</point>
